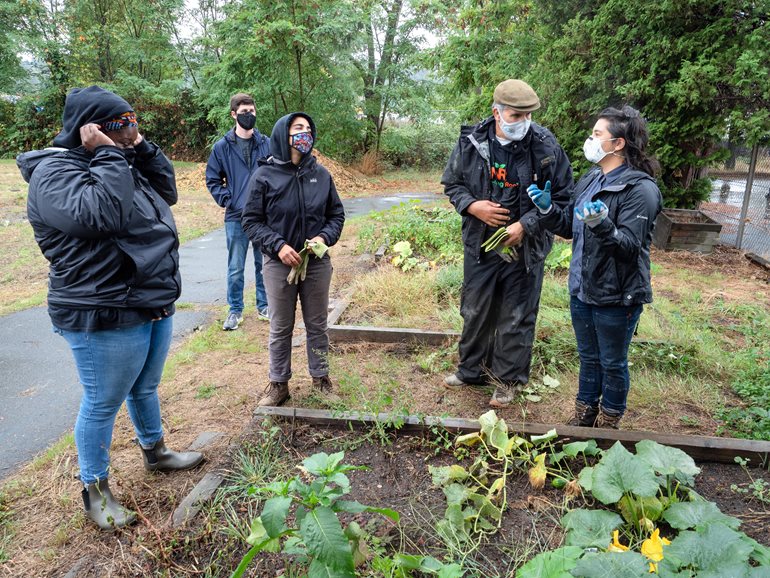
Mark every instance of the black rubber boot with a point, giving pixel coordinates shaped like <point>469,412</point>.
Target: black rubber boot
<point>102,507</point>
<point>161,459</point>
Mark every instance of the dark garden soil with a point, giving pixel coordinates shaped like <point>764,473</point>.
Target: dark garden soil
<point>398,478</point>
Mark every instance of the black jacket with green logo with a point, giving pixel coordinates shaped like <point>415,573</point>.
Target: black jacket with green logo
<point>467,178</point>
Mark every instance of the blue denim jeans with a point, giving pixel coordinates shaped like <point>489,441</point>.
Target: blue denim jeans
<point>114,366</point>
<point>603,336</point>
<point>237,247</point>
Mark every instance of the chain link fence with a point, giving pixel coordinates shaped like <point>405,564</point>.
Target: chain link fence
<point>740,199</point>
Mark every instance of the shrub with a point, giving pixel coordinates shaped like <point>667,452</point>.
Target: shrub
<point>420,145</point>
<point>433,232</point>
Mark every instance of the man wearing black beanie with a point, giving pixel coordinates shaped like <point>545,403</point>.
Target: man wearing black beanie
<point>99,204</point>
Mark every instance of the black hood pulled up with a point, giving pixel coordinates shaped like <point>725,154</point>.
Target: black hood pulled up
<point>279,138</point>
<point>86,105</point>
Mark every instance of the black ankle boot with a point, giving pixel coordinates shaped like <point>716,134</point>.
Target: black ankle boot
<point>161,459</point>
<point>102,507</point>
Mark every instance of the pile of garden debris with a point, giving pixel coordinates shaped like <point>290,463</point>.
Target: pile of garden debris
<point>348,181</point>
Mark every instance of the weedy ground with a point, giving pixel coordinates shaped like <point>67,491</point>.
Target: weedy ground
<point>701,349</point>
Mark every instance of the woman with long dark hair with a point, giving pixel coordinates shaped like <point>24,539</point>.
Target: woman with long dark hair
<point>610,220</point>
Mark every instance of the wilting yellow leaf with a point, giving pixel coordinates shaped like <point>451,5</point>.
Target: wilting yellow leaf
<point>537,472</point>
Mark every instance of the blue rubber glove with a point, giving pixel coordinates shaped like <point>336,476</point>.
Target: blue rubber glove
<point>541,198</point>
<point>592,213</point>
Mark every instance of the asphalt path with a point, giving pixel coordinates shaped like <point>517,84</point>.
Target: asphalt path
<point>39,388</point>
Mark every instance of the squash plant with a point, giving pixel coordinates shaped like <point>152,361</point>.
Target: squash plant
<point>316,536</point>
<point>641,492</point>
<point>476,496</point>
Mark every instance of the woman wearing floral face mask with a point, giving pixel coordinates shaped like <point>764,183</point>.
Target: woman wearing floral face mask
<point>610,220</point>
<point>293,202</point>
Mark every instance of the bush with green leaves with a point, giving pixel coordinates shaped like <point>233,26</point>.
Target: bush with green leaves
<point>560,256</point>
<point>425,145</point>
<point>433,232</point>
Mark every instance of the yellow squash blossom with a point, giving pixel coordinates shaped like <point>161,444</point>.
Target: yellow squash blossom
<point>652,548</point>
<point>615,545</point>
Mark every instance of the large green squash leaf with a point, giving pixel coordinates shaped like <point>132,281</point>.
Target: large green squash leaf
<point>760,554</point>
<point>554,564</point>
<point>590,528</point>
<point>708,548</point>
<point>686,515</point>
<point>618,472</point>
<point>612,564</point>
<point>666,460</point>
<point>325,540</point>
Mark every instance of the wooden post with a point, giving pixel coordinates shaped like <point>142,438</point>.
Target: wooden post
<point>747,195</point>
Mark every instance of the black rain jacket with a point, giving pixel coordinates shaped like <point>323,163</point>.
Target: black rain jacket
<point>466,179</point>
<point>105,225</point>
<point>289,203</point>
<point>616,253</point>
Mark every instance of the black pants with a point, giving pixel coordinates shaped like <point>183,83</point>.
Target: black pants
<point>499,307</point>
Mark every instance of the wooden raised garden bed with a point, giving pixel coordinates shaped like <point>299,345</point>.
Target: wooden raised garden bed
<point>686,230</point>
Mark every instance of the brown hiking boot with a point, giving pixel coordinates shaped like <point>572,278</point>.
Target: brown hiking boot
<point>505,394</point>
<point>607,421</point>
<point>276,393</point>
<point>585,415</point>
<point>324,386</point>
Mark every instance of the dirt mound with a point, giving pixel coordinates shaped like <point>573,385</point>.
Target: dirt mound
<point>348,181</point>
<point>193,177</point>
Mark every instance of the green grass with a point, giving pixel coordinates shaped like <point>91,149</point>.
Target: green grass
<point>7,529</point>
<point>211,338</point>
<point>206,391</point>
<point>693,349</point>
<point>52,453</point>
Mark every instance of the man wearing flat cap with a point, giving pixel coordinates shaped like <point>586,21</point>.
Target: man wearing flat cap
<point>486,179</point>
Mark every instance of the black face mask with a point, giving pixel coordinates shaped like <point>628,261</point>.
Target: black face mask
<point>246,120</point>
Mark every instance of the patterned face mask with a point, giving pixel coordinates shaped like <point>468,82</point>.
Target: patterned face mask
<point>302,141</point>
<point>125,120</point>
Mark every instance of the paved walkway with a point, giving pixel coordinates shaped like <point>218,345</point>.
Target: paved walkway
<point>39,389</point>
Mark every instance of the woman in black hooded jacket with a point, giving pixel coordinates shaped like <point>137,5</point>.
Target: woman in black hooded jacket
<point>100,205</point>
<point>293,201</point>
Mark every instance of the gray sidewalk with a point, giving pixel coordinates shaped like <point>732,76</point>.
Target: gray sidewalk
<point>39,389</point>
